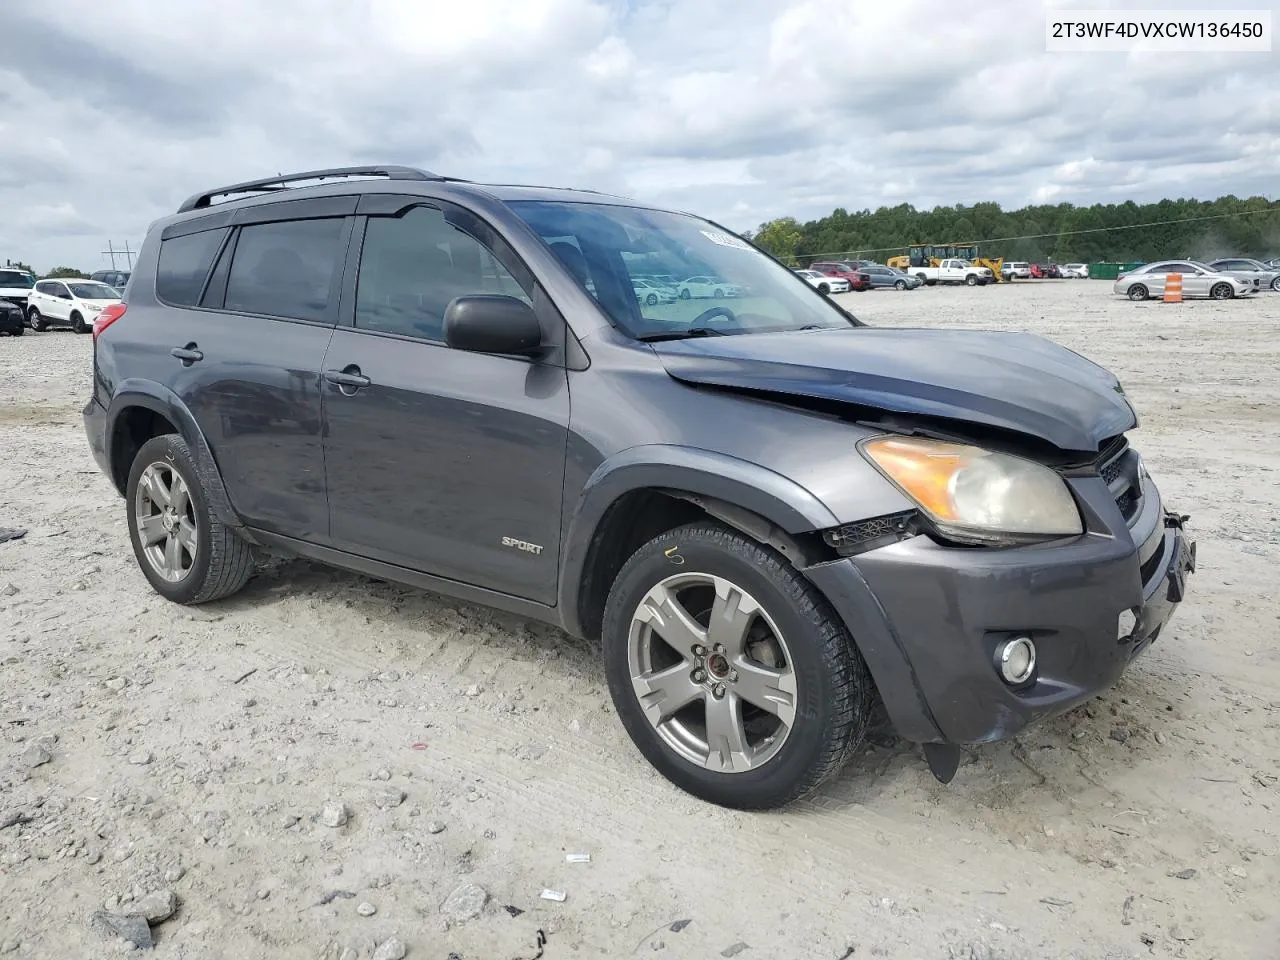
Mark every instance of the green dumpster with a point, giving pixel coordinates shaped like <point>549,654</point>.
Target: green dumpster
<point>1104,271</point>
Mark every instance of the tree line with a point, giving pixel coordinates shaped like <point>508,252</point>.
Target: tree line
<point>1060,233</point>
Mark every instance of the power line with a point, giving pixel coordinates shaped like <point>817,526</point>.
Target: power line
<point>1058,233</point>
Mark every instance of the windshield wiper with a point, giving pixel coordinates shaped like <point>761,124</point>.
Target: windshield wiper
<point>681,335</point>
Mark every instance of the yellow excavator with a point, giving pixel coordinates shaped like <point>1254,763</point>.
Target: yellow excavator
<point>922,255</point>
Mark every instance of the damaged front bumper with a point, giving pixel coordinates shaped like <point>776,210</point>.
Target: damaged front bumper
<point>930,619</point>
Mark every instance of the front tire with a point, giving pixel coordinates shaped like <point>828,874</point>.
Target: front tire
<point>730,671</point>
<point>971,280</point>
<point>77,323</point>
<point>651,299</point>
<point>1222,291</point>
<point>1275,284</point>
<point>900,285</point>
<point>823,289</point>
<point>34,319</point>
<point>685,294</point>
<point>185,551</point>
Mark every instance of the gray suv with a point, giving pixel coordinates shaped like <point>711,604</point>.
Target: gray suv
<point>770,514</point>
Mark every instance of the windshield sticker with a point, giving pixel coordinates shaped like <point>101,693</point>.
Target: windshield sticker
<point>725,240</point>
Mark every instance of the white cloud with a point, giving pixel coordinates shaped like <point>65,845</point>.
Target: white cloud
<point>741,109</point>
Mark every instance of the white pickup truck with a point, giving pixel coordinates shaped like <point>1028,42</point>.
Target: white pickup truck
<point>954,271</point>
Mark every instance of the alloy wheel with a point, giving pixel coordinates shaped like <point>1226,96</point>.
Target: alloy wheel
<point>712,673</point>
<point>165,521</point>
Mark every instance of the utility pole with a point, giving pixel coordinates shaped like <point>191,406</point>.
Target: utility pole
<point>112,252</point>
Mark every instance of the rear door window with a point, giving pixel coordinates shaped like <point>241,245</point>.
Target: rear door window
<point>184,264</point>
<point>285,269</point>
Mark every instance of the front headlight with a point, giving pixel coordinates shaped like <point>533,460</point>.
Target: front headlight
<point>977,495</point>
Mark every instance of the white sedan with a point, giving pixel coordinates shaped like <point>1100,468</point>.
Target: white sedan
<point>697,288</point>
<point>1075,271</point>
<point>71,303</point>
<point>822,283</point>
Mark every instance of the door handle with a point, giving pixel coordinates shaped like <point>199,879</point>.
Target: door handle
<point>348,380</point>
<point>188,354</point>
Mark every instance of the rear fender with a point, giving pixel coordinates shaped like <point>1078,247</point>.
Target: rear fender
<point>159,399</point>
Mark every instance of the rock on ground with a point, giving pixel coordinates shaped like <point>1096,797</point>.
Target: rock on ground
<point>465,903</point>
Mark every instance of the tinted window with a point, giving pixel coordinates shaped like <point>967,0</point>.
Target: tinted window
<point>285,269</point>
<point>11,278</point>
<point>43,287</point>
<point>412,266</point>
<point>184,263</point>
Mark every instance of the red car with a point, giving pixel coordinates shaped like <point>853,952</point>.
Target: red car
<point>857,280</point>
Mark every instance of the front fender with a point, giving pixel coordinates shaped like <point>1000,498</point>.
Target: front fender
<point>754,488</point>
<point>159,399</point>
<point>787,505</point>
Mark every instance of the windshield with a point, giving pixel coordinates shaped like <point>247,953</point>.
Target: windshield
<point>722,284</point>
<point>11,278</point>
<point>93,290</point>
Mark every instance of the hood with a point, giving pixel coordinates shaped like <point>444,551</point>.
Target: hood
<point>1011,381</point>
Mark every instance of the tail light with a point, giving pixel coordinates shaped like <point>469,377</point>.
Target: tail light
<point>106,318</point>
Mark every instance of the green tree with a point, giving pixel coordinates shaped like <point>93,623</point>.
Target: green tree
<point>65,273</point>
<point>780,237</point>
<point>1125,231</point>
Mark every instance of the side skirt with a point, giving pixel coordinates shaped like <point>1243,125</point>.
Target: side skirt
<point>413,578</point>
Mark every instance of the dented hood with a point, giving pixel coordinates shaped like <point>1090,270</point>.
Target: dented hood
<point>1012,381</point>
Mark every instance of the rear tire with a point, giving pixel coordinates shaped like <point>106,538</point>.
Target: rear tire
<point>34,320</point>
<point>1138,292</point>
<point>77,323</point>
<point>220,563</point>
<point>793,636</point>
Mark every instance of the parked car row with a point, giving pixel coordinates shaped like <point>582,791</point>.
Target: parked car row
<point>1023,270</point>
<point>1199,281</point>
<point>40,304</point>
<point>857,275</point>
<point>655,289</point>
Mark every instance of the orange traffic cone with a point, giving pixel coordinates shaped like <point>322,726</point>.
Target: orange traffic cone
<point>1173,288</point>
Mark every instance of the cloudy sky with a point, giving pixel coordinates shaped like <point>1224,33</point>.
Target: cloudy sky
<point>111,113</point>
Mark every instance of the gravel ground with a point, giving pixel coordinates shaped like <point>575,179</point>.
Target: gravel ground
<point>327,766</point>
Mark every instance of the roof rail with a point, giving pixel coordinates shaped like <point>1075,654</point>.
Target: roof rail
<point>269,184</point>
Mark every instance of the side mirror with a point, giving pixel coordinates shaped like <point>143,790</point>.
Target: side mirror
<point>491,323</point>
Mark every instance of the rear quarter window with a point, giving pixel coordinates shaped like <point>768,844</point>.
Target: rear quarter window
<point>285,268</point>
<point>184,265</point>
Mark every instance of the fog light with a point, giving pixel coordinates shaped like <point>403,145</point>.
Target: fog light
<point>1016,659</point>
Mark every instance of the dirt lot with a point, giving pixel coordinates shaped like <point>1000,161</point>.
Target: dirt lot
<point>156,748</point>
